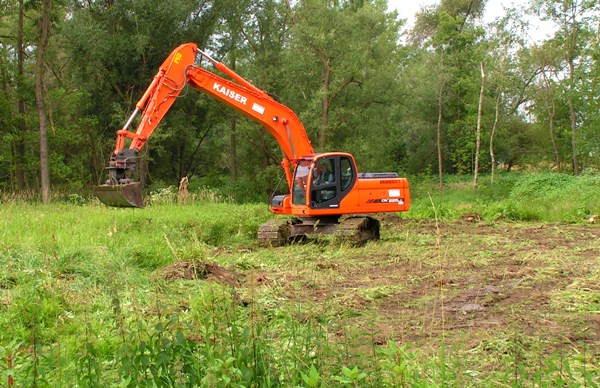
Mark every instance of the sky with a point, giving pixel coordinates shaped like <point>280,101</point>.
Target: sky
<point>493,9</point>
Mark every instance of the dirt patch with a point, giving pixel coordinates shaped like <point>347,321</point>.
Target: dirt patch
<point>192,270</point>
<point>464,278</point>
<point>471,217</point>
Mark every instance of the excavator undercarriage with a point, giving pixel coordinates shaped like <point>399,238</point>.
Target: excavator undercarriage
<point>355,229</point>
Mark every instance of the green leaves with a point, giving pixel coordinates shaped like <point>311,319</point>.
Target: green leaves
<point>350,377</point>
<point>313,377</point>
<point>341,66</point>
<point>344,77</point>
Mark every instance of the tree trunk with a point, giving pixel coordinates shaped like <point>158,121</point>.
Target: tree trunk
<point>325,113</point>
<point>478,135</point>
<point>39,98</point>
<point>233,149</point>
<point>551,108</point>
<point>13,146</point>
<point>493,135</point>
<point>21,108</point>
<point>573,115</point>
<point>573,136</point>
<point>439,137</point>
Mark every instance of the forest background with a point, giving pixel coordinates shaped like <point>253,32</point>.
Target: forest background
<point>449,95</point>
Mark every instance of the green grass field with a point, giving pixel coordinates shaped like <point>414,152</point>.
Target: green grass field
<point>508,296</point>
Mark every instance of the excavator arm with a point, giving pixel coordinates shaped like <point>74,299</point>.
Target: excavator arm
<point>181,68</point>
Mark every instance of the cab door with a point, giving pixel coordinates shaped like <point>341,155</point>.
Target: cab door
<point>332,178</point>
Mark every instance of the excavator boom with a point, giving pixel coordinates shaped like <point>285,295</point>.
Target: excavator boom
<point>177,70</point>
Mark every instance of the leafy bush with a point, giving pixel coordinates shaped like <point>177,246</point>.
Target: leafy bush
<point>540,186</point>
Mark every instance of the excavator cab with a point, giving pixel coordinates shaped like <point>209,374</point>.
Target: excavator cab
<point>332,179</point>
<point>322,181</point>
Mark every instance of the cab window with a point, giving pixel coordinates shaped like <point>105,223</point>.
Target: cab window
<point>324,185</point>
<point>346,173</point>
<point>300,182</point>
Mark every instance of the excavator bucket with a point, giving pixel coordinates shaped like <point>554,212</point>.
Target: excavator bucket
<point>127,195</point>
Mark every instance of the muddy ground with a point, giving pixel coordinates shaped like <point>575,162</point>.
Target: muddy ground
<point>469,282</point>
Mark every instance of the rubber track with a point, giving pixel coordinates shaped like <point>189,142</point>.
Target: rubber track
<point>274,233</point>
<point>358,230</point>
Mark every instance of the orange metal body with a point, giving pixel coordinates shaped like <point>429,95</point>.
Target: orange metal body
<point>390,195</point>
<point>370,195</point>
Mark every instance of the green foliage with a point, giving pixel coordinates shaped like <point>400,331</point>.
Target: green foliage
<point>160,354</point>
<point>353,86</point>
<point>312,379</point>
<point>398,365</point>
<point>536,186</point>
<point>350,377</point>
<point>332,71</point>
<point>82,301</point>
<point>514,196</point>
<point>89,370</point>
<point>556,197</point>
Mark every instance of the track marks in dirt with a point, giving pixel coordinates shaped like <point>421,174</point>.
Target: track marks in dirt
<point>423,279</point>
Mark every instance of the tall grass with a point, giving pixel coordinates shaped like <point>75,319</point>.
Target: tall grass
<point>82,301</point>
<point>546,197</point>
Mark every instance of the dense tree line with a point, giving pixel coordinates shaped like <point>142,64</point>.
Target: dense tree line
<point>449,95</point>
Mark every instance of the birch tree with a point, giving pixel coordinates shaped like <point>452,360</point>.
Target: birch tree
<point>575,21</point>
<point>44,28</point>
<point>478,130</point>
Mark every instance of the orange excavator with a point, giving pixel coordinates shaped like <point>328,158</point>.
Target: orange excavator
<point>326,193</point>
